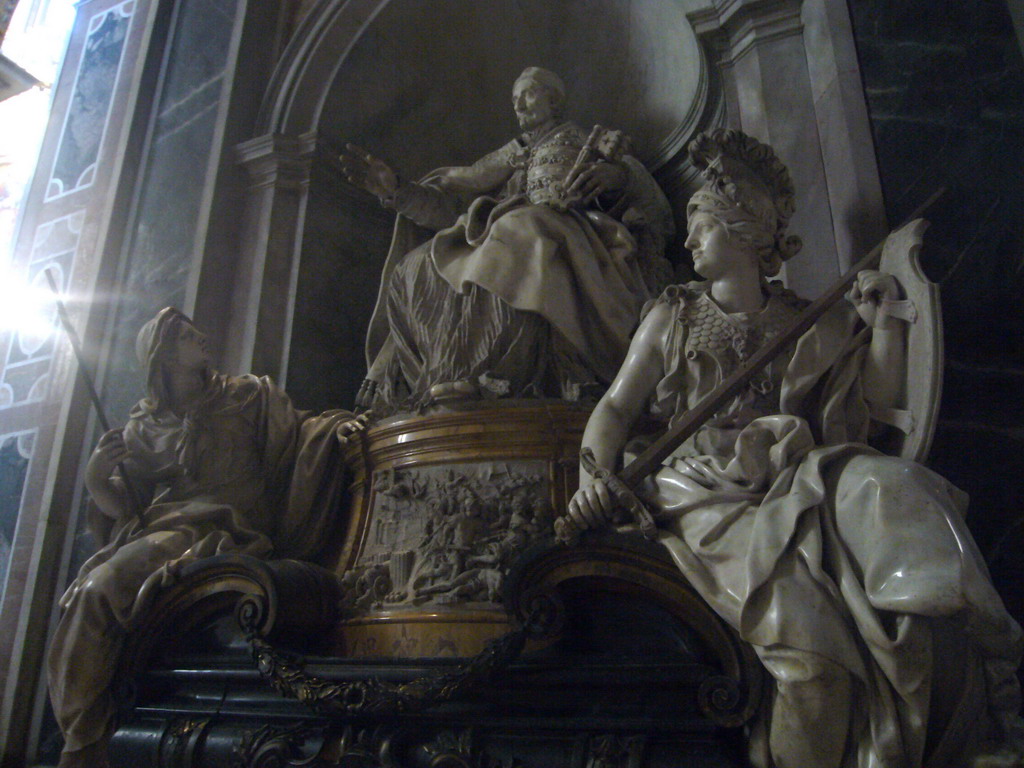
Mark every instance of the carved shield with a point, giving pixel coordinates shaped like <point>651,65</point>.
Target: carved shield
<point>922,386</point>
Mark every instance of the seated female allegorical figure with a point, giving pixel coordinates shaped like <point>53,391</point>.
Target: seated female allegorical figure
<point>224,464</point>
<point>851,573</point>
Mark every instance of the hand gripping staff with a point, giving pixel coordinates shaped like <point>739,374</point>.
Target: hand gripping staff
<point>134,500</point>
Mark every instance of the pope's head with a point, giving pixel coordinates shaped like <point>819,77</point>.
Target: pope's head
<point>538,97</point>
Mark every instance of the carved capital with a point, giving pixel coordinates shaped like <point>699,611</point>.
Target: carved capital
<point>276,160</point>
<point>733,28</point>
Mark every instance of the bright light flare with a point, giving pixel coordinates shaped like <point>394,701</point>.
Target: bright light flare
<point>27,308</point>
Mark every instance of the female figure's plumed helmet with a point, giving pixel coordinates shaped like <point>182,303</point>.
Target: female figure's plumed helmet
<point>749,190</point>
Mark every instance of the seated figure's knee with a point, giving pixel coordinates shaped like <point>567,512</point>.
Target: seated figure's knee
<point>890,475</point>
<point>894,471</point>
<point>889,504</point>
<point>803,673</point>
<point>111,587</point>
<point>101,581</point>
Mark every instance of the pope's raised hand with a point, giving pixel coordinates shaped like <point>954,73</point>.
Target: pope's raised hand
<point>368,172</point>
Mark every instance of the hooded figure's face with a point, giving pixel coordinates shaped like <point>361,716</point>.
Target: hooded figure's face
<point>168,340</point>
<point>190,350</point>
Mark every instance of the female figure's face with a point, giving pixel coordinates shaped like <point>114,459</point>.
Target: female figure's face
<point>716,253</point>
<point>190,351</point>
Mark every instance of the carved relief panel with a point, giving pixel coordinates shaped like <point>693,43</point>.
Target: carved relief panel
<point>446,534</point>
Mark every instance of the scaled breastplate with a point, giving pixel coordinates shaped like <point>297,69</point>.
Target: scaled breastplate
<point>733,338</point>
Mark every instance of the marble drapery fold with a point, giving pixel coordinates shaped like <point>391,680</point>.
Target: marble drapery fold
<point>833,560</point>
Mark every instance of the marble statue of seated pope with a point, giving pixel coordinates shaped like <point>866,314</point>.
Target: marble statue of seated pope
<point>520,275</point>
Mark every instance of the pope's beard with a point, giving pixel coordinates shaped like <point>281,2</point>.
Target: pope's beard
<point>529,121</point>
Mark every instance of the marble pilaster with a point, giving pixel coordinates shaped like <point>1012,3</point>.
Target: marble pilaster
<point>278,167</point>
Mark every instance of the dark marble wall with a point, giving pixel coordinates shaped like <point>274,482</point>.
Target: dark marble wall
<point>173,179</point>
<point>945,90</point>
<point>13,471</point>
<point>346,242</point>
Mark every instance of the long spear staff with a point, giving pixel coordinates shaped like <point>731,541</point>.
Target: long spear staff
<point>134,500</point>
<point>621,486</point>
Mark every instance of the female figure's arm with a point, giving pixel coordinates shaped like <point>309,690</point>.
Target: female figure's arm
<point>110,496</point>
<point>882,372</point>
<point>615,414</point>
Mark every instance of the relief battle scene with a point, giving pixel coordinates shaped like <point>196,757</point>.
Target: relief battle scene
<point>447,535</point>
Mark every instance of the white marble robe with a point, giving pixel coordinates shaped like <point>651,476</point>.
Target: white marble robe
<point>843,567</point>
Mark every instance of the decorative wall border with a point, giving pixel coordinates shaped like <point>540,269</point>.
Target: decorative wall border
<point>55,188</point>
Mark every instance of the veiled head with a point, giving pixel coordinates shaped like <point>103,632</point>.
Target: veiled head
<point>169,339</point>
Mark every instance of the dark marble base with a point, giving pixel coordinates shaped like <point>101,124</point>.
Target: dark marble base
<point>604,674</point>
<point>539,714</point>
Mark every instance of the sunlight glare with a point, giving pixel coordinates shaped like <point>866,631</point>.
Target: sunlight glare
<point>26,307</point>
<point>35,41</point>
